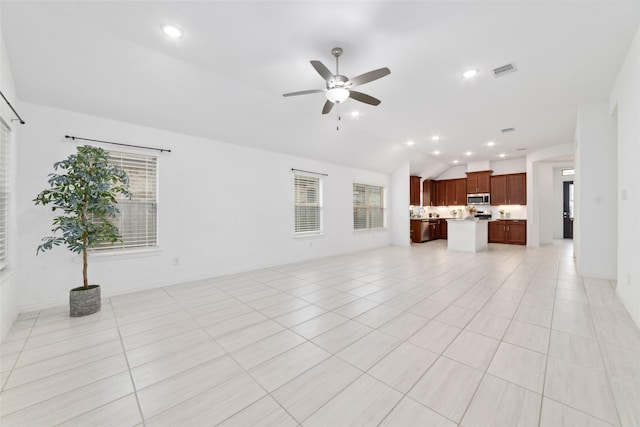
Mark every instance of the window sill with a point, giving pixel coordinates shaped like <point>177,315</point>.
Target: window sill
<point>116,255</point>
<point>370,230</point>
<point>308,235</point>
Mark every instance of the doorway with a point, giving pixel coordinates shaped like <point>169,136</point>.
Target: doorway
<point>567,210</point>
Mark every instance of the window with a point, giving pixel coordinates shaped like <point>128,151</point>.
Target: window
<point>368,206</point>
<point>137,221</point>
<point>568,172</point>
<point>308,204</point>
<point>4,191</point>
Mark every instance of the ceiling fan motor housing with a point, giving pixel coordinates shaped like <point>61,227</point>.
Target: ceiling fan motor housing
<point>337,81</point>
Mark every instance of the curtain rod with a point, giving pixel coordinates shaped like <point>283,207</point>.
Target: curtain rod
<point>12,109</point>
<point>315,173</point>
<point>118,143</point>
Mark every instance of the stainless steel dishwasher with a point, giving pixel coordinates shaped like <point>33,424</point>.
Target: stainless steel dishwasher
<point>425,230</point>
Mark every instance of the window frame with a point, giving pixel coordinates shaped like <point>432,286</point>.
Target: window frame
<point>120,248</point>
<point>319,230</point>
<point>5,190</point>
<point>368,208</point>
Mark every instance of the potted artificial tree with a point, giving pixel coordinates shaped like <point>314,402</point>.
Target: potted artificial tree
<point>86,194</point>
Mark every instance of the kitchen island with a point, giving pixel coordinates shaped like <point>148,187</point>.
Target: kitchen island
<point>468,235</point>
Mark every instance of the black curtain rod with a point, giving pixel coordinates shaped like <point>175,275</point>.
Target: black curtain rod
<point>12,109</point>
<point>315,173</point>
<point>118,143</point>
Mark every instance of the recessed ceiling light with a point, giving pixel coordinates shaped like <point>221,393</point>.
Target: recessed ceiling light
<point>409,142</point>
<point>491,143</point>
<point>172,31</point>
<point>468,153</point>
<point>436,152</point>
<point>469,73</point>
<point>455,161</point>
<point>355,113</point>
<point>502,155</point>
<point>435,137</point>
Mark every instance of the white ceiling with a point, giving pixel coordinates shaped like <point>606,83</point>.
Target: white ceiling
<point>225,77</point>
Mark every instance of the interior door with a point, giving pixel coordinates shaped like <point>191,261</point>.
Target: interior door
<point>567,214</point>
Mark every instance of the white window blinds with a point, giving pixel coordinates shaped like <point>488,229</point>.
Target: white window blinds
<point>137,221</point>
<point>4,191</point>
<point>307,204</point>
<point>368,206</point>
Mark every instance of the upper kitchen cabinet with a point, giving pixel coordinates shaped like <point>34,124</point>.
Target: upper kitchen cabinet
<point>441,193</point>
<point>428,193</point>
<point>456,192</point>
<point>509,189</point>
<point>414,190</point>
<point>478,182</point>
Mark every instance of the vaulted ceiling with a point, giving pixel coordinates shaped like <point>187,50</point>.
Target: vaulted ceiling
<point>224,78</point>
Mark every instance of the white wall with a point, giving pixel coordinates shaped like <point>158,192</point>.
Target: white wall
<point>595,192</point>
<point>8,275</point>
<point>626,99</point>
<point>223,209</point>
<point>454,172</point>
<point>398,208</point>
<point>503,167</point>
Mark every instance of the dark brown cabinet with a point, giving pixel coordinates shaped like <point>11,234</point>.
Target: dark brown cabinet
<point>478,182</point>
<point>461,192</point>
<point>509,189</point>
<point>510,231</point>
<point>428,193</point>
<point>414,190</point>
<point>416,230</point>
<point>442,223</point>
<point>441,193</point>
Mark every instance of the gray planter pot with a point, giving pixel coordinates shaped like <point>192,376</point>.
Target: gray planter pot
<point>84,301</point>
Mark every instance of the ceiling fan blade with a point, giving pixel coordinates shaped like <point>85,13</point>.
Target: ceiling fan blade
<point>303,92</point>
<point>363,97</point>
<point>369,77</point>
<point>327,107</point>
<point>322,70</point>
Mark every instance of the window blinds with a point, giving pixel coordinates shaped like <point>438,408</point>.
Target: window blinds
<point>4,191</point>
<point>368,206</point>
<point>307,204</point>
<point>137,221</point>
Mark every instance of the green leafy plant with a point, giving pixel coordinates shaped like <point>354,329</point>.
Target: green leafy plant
<point>86,195</point>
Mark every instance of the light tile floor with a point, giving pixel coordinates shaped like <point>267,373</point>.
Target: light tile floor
<point>394,336</point>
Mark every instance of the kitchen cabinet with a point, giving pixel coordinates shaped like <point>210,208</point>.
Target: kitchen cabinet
<point>509,189</point>
<point>509,231</point>
<point>442,223</point>
<point>428,193</point>
<point>451,192</point>
<point>461,192</point>
<point>414,190</point>
<point>441,193</point>
<point>416,230</point>
<point>478,182</point>
<point>434,229</point>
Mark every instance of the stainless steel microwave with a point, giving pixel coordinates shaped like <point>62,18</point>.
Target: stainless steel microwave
<point>479,199</point>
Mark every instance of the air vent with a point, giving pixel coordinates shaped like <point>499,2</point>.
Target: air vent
<point>505,130</point>
<point>505,69</point>
<point>520,149</point>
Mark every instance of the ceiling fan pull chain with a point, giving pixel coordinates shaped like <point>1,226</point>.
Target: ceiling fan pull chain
<point>338,122</point>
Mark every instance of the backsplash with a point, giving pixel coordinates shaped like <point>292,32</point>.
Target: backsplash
<point>511,211</point>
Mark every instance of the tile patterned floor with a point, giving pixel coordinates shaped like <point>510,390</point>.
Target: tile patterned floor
<point>393,337</point>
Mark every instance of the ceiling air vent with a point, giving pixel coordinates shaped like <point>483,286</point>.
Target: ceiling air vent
<point>505,69</point>
<point>505,130</point>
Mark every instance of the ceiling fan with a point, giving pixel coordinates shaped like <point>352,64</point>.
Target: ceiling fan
<point>339,87</point>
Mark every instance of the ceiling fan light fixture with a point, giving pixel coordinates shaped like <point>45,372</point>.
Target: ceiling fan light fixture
<point>337,94</point>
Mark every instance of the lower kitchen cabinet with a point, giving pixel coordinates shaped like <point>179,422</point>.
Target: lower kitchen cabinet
<point>442,223</point>
<point>416,230</point>
<point>509,231</point>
